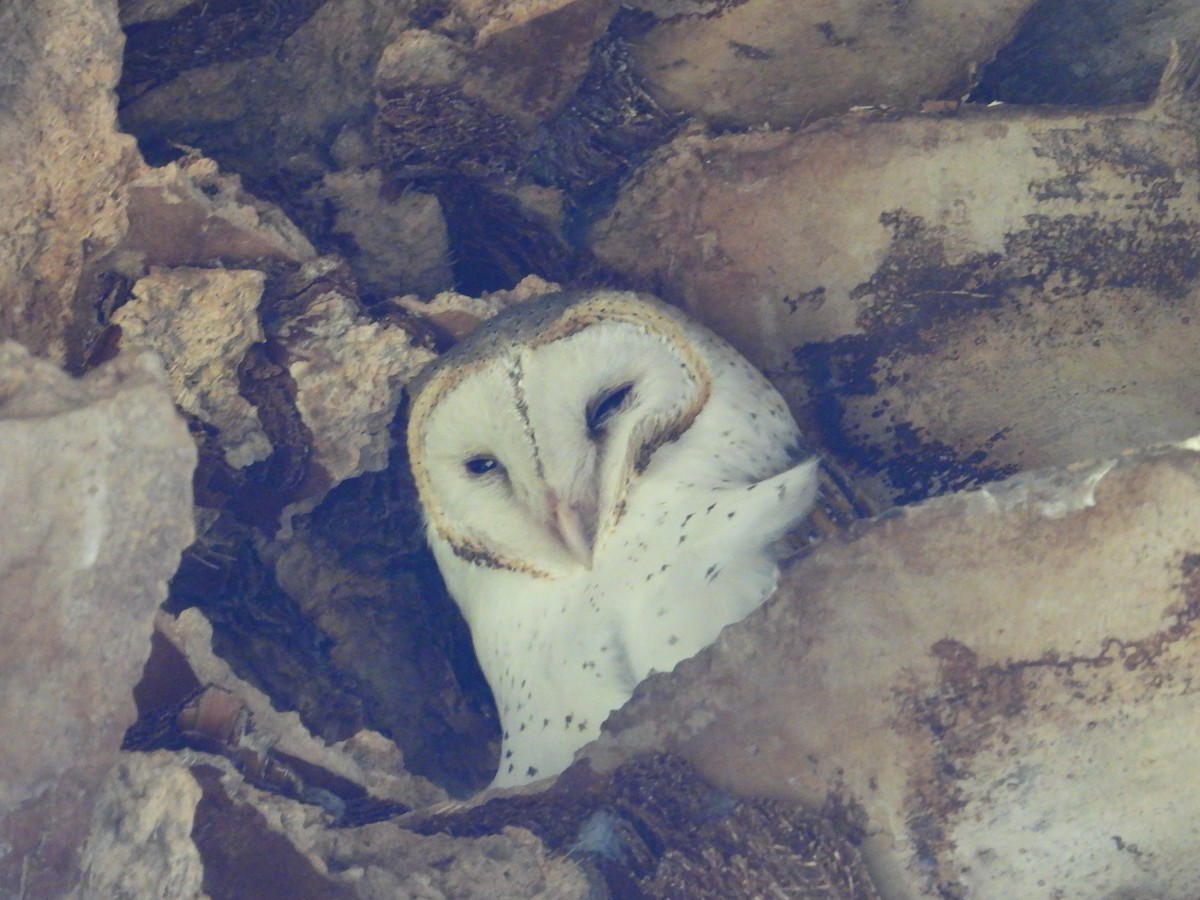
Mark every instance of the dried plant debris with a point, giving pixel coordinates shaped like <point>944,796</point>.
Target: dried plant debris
<point>203,33</point>
<point>496,242</point>
<point>610,125</point>
<point>425,131</point>
<point>656,829</point>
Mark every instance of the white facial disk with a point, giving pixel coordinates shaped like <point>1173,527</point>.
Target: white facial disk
<point>528,460</point>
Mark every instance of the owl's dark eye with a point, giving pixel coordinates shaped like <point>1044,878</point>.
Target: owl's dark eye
<point>481,465</point>
<point>606,405</point>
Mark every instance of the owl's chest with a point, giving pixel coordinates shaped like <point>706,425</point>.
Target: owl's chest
<point>676,572</point>
<point>679,566</point>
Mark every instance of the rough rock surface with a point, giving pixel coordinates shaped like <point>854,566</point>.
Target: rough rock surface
<point>201,322</point>
<point>652,830</point>
<point>189,213</point>
<point>995,688</point>
<point>526,57</point>
<point>400,242</point>
<point>209,830</point>
<point>64,165</point>
<point>283,96</point>
<point>771,61</point>
<point>96,485</point>
<point>349,372</point>
<point>320,383</point>
<point>260,89</point>
<point>456,315</point>
<point>944,299</point>
<point>140,840</point>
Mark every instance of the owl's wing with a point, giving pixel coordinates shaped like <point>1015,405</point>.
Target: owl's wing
<point>774,506</point>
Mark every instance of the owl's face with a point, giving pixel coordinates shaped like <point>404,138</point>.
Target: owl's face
<point>525,441</point>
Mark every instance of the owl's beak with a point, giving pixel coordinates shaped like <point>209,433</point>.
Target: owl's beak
<point>571,523</point>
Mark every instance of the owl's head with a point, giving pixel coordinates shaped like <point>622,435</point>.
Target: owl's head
<point>526,437</point>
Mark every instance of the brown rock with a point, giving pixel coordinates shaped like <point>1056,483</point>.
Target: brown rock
<point>140,842</point>
<point>349,373</point>
<point>944,300</point>
<point>771,61</point>
<point>250,843</point>
<point>188,213</point>
<point>261,89</point>
<point>992,687</point>
<point>521,59</point>
<point>457,315</point>
<point>529,55</point>
<point>202,322</point>
<point>63,165</point>
<point>96,488</point>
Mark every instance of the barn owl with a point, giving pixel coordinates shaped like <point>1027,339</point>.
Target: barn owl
<point>604,483</point>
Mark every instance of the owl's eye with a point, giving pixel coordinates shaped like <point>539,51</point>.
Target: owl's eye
<point>606,405</point>
<point>481,465</point>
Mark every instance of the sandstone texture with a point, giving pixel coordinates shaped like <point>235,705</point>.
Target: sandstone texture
<point>64,167</point>
<point>772,62</point>
<point>96,485</point>
<point>201,322</point>
<point>944,299</point>
<point>992,688</point>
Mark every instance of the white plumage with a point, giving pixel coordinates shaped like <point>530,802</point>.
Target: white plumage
<point>603,482</point>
